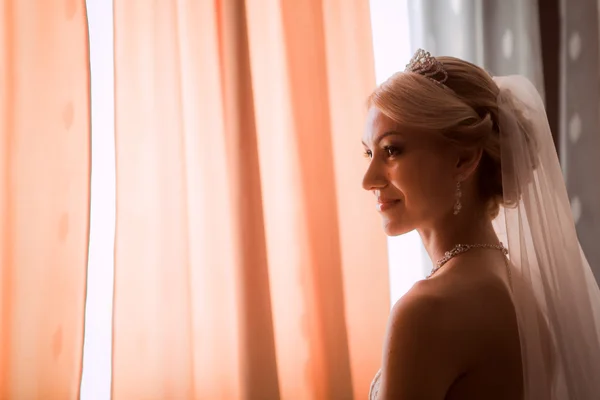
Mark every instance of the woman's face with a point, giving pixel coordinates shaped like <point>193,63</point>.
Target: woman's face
<point>412,174</point>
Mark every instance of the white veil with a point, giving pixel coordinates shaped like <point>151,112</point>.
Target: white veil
<point>556,297</point>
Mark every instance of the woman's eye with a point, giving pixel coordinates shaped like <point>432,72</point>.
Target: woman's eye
<point>368,154</point>
<point>391,151</point>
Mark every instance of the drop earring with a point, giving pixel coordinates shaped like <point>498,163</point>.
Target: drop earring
<point>457,195</point>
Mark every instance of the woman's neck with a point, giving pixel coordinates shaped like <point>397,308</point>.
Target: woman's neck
<point>464,228</point>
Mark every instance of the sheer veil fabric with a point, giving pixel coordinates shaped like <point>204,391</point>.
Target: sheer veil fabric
<point>557,300</point>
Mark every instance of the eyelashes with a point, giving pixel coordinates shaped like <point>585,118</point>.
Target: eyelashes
<point>389,152</point>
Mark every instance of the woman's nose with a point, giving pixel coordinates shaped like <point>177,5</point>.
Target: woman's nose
<point>374,177</point>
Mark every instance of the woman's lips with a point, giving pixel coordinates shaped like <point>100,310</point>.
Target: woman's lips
<point>383,205</point>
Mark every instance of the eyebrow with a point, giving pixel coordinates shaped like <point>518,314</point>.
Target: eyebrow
<point>384,135</point>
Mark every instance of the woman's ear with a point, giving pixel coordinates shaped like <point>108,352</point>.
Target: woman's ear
<point>467,162</point>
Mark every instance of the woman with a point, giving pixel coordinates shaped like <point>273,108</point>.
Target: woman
<point>464,158</point>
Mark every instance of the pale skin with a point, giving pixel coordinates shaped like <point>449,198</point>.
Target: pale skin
<point>455,335</point>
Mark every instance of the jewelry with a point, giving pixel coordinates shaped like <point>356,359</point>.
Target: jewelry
<point>457,195</point>
<point>463,248</point>
<point>423,63</point>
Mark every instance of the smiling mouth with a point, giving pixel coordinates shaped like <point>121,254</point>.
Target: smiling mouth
<point>386,205</point>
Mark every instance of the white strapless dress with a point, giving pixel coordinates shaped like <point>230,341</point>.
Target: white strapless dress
<point>374,391</point>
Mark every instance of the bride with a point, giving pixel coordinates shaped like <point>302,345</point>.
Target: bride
<point>511,309</point>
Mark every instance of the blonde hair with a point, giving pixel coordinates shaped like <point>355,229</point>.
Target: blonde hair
<point>463,109</point>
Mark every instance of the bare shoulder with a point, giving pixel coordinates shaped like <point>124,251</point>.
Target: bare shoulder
<point>422,351</point>
<point>446,302</point>
<point>420,321</point>
<point>421,306</point>
<point>436,334</point>
<point>467,303</point>
<point>432,310</point>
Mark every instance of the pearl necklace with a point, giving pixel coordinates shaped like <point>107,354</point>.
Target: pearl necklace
<point>463,248</point>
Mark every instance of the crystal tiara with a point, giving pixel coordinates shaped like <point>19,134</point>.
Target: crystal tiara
<point>423,63</point>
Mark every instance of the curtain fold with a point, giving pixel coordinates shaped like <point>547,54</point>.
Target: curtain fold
<point>44,196</point>
<point>247,261</point>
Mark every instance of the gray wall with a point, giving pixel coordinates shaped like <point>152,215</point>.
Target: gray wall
<point>580,122</point>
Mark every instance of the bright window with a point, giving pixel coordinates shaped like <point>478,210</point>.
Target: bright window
<point>391,47</point>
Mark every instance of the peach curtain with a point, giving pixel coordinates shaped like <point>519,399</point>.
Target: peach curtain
<point>44,196</point>
<point>249,262</point>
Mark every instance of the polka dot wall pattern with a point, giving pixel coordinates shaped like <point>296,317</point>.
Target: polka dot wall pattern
<point>507,44</point>
<point>580,147</point>
<point>574,46</point>
<point>574,128</point>
<point>576,208</point>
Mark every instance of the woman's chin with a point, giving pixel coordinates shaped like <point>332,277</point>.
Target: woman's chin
<point>395,228</point>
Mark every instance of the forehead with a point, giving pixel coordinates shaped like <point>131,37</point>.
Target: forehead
<point>376,120</point>
<point>376,124</point>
